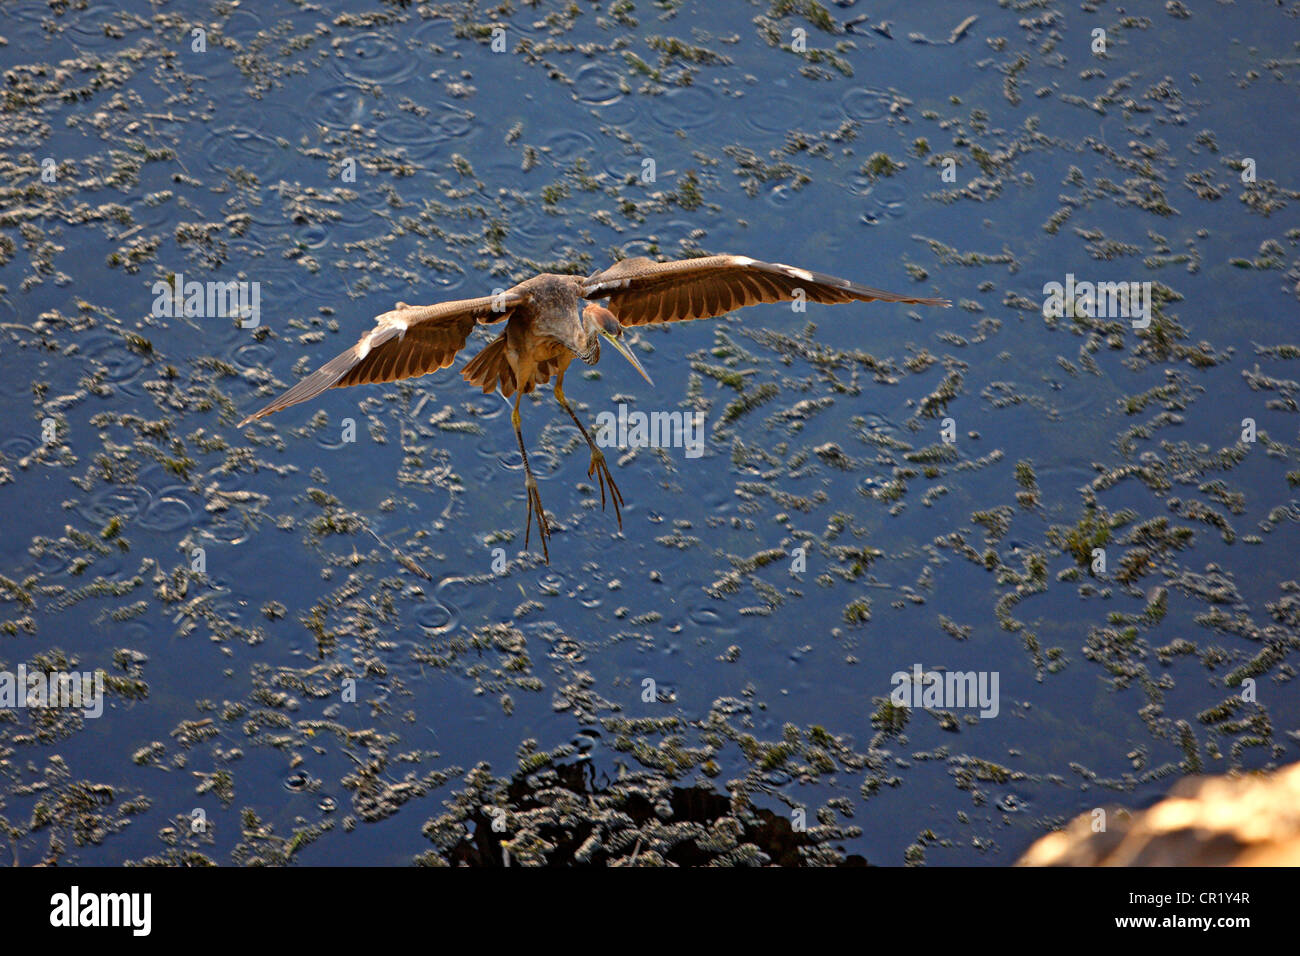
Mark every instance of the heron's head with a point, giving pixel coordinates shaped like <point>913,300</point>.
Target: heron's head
<point>602,321</point>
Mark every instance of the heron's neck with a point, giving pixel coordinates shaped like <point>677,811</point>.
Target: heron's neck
<point>590,355</point>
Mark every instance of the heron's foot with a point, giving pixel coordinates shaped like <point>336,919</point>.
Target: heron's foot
<point>543,527</point>
<point>600,469</point>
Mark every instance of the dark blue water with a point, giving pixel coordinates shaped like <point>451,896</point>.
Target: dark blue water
<point>319,700</point>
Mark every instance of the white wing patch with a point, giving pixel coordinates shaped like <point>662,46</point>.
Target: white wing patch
<point>389,320</point>
<point>609,284</point>
<point>803,274</point>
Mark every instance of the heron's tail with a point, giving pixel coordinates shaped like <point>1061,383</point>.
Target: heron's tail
<point>490,369</point>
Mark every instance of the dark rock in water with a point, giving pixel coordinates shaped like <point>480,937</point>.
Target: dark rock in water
<point>560,815</point>
<point>1205,821</point>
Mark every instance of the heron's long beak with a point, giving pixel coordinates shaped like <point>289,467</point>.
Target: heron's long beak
<point>627,354</point>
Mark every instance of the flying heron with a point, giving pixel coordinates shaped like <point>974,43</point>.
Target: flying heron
<point>547,327</point>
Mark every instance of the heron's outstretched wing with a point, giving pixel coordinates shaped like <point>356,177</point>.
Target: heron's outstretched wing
<point>409,341</point>
<point>642,291</point>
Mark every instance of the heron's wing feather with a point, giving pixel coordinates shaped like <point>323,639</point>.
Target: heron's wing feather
<point>409,341</point>
<point>641,291</point>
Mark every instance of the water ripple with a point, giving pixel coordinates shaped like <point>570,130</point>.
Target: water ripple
<point>776,112</point>
<point>598,84</point>
<point>339,106</point>
<point>687,107</point>
<point>375,58</point>
<point>87,32</point>
<point>866,104</point>
<point>565,146</point>
<point>437,618</point>
<point>167,511</point>
<point>121,365</point>
<point>421,135</point>
<point>114,501</point>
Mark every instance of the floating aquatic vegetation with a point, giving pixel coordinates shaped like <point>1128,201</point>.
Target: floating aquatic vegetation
<point>232,584</point>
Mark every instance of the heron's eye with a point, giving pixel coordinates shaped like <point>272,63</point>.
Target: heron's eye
<point>606,321</point>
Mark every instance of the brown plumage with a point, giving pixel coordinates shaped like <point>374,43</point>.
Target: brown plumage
<point>546,328</point>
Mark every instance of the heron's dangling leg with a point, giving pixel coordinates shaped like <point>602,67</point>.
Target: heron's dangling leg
<point>598,467</point>
<point>534,499</point>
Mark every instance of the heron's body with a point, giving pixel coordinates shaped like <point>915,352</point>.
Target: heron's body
<point>542,336</point>
<point>547,327</point>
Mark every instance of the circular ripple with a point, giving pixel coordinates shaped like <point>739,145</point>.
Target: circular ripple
<point>88,32</point>
<point>487,407</point>
<point>641,246</point>
<point>437,618</point>
<point>552,582</point>
<point>598,84</point>
<point>566,146</point>
<point>155,479</point>
<point>134,634</point>
<point>878,424</point>
<point>529,221</point>
<point>167,512</point>
<point>375,58</point>
<point>228,527</point>
<point>335,440</point>
<point>105,565</point>
<point>110,351</point>
<point>453,591</point>
<point>440,33</point>
<point>339,106</point>
<point>861,184</point>
<point>243,26</point>
<point>544,462</point>
<point>313,235</point>
<point>235,145</point>
<point>420,134</point>
<point>253,355</point>
<point>20,446</point>
<point>1010,803</point>
<point>152,215</point>
<point>780,195</point>
<point>620,164</point>
<point>687,107</point>
<point>705,617</point>
<point>451,121</point>
<point>866,104</point>
<point>892,199</point>
<point>52,560</point>
<point>696,611</point>
<point>436,285</point>
<point>776,112</point>
<point>108,503</point>
<point>31,12</point>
